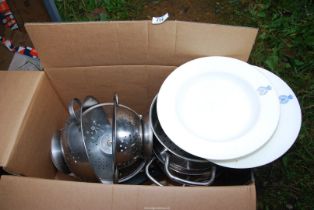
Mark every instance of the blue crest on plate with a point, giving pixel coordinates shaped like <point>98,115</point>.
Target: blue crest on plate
<point>283,99</point>
<point>263,90</point>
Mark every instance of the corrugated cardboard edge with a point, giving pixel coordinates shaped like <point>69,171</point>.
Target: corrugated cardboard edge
<point>35,193</point>
<point>136,42</point>
<point>22,86</point>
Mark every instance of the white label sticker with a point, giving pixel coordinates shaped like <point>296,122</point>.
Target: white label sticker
<point>161,19</point>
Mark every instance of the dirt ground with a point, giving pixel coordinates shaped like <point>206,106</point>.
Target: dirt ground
<point>220,11</point>
<point>24,11</point>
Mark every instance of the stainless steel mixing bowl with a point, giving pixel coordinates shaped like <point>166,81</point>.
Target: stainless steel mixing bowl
<point>68,150</point>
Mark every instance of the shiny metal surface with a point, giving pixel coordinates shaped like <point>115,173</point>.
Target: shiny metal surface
<point>113,135</point>
<point>128,135</point>
<point>89,101</point>
<point>97,135</point>
<point>163,139</point>
<point>102,142</point>
<point>128,173</point>
<point>74,115</point>
<point>148,136</point>
<point>131,142</point>
<point>72,146</point>
<point>182,179</point>
<point>74,151</point>
<point>57,154</point>
<point>179,159</point>
<point>148,174</point>
<point>176,178</point>
<point>175,159</point>
<point>179,164</point>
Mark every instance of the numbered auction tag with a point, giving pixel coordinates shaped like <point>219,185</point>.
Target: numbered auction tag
<point>161,19</point>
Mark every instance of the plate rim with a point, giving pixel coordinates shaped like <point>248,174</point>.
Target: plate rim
<point>280,136</point>
<point>216,150</point>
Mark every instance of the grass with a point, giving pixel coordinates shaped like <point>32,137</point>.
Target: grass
<point>285,46</point>
<point>94,10</point>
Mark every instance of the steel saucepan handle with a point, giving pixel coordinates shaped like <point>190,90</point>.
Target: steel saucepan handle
<point>188,182</point>
<point>134,173</point>
<point>148,173</point>
<point>73,114</point>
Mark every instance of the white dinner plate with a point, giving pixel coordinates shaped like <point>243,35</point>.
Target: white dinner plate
<point>218,108</point>
<point>285,135</point>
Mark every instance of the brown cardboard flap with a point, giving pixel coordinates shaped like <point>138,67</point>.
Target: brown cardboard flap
<point>16,91</point>
<point>136,85</point>
<point>45,115</point>
<point>33,193</point>
<point>136,42</point>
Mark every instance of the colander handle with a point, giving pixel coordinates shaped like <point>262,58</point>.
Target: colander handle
<point>74,115</point>
<point>188,182</point>
<point>116,99</point>
<point>148,173</point>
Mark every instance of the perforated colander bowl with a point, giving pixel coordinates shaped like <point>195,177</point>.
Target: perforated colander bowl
<point>114,137</point>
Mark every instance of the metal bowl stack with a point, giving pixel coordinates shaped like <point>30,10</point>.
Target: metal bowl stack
<point>108,142</point>
<point>111,143</point>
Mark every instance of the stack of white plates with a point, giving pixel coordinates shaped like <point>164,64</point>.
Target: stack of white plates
<point>229,112</point>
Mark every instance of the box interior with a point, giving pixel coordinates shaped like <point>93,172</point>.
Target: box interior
<point>47,111</point>
<point>136,86</point>
<point>100,59</point>
<point>14,105</point>
<point>130,58</point>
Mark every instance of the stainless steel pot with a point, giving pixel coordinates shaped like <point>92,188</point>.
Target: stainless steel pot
<point>177,164</point>
<point>68,150</point>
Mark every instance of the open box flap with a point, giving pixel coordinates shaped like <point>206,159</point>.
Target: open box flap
<point>34,193</point>
<point>136,42</point>
<point>27,98</point>
<point>16,92</point>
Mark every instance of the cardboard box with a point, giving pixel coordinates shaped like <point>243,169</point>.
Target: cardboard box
<point>100,58</point>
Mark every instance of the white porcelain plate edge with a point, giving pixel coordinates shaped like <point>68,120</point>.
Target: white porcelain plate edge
<point>285,135</point>
<point>218,150</point>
